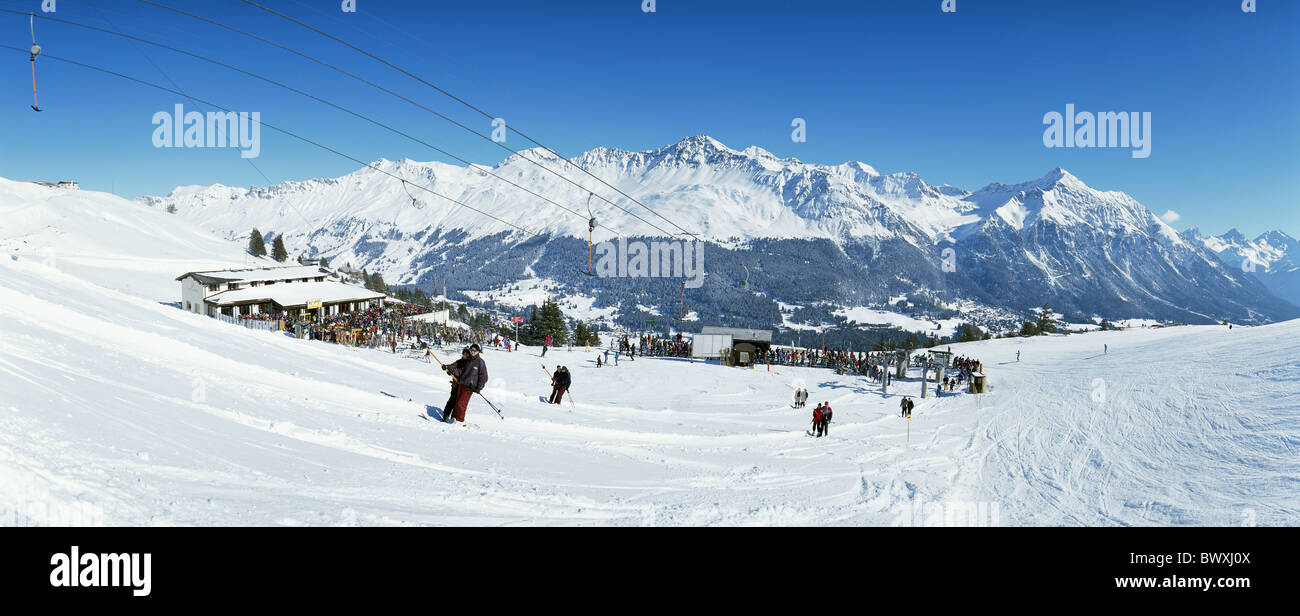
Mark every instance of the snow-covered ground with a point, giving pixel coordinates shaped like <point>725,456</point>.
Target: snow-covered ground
<point>872,316</point>
<point>117,409</point>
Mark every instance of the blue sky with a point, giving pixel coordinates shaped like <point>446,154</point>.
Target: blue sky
<point>958,98</point>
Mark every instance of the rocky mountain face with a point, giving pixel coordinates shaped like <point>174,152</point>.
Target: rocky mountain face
<point>786,241</point>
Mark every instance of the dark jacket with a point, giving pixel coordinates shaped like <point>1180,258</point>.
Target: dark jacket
<point>563,379</point>
<point>471,372</point>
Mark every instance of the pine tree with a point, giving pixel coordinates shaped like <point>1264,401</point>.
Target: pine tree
<point>324,262</point>
<point>277,249</point>
<point>1105,325</point>
<point>256,245</point>
<point>1046,323</point>
<point>377,283</point>
<point>549,321</point>
<point>1029,329</point>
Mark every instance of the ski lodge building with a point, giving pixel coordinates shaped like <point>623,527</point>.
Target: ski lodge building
<point>291,291</point>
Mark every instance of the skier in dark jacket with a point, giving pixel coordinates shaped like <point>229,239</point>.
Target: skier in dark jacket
<point>562,381</point>
<point>826,418</point>
<point>470,375</point>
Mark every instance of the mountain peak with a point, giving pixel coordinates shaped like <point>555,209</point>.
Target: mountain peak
<point>1059,176</point>
<point>1233,235</point>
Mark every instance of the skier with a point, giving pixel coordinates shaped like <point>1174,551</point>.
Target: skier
<point>817,421</point>
<point>562,382</point>
<point>469,375</point>
<point>826,418</point>
<point>544,347</point>
<point>598,360</point>
<point>798,395</point>
<point>1017,355</point>
<point>1105,348</point>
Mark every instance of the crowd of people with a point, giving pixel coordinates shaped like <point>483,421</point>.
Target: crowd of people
<point>653,345</point>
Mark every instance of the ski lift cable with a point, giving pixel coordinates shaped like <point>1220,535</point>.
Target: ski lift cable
<point>277,129</point>
<point>466,104</point>
<point>178,87</point>
<point>317,99</point>
<point>418,105</point>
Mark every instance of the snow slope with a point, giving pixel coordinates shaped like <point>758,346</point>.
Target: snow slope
<point>116,409</point>
<point>101,237</point>
<point>150,415</point>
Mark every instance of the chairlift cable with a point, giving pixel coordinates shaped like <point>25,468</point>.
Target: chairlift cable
<point>467,104</point>
<point>407,100</point>
<point>277,129</point>
<point>317,99</point>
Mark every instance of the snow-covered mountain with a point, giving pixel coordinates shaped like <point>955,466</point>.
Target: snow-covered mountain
<point>833,236</point>
<point>1274,257</point>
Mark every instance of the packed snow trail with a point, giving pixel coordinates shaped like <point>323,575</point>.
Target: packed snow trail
<point>1185,425</point>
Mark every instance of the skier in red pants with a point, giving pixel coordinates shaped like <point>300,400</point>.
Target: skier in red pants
<point>470,375</point>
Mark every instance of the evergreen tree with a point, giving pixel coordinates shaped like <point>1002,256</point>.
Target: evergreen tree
<point>171,208</point>
<point>1105,325</point>
<point>1029,329</point>
<point>462,313</point>
<point>549,321</point>
<point>255,244</point>
<point>277,250</point>
<point>1046,324</point>
<point>377,283</point>
<point>324,263</point>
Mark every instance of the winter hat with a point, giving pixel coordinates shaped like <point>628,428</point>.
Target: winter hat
<point>474,347</point>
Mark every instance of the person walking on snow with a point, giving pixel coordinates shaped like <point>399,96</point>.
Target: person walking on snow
<point>817,421</point>
<point>826,418</point>
<point>598,360</point>
<point>1017,355</point>
<point>469,375</point>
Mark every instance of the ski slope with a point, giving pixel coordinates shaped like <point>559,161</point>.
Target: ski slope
<point>117,409</point>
